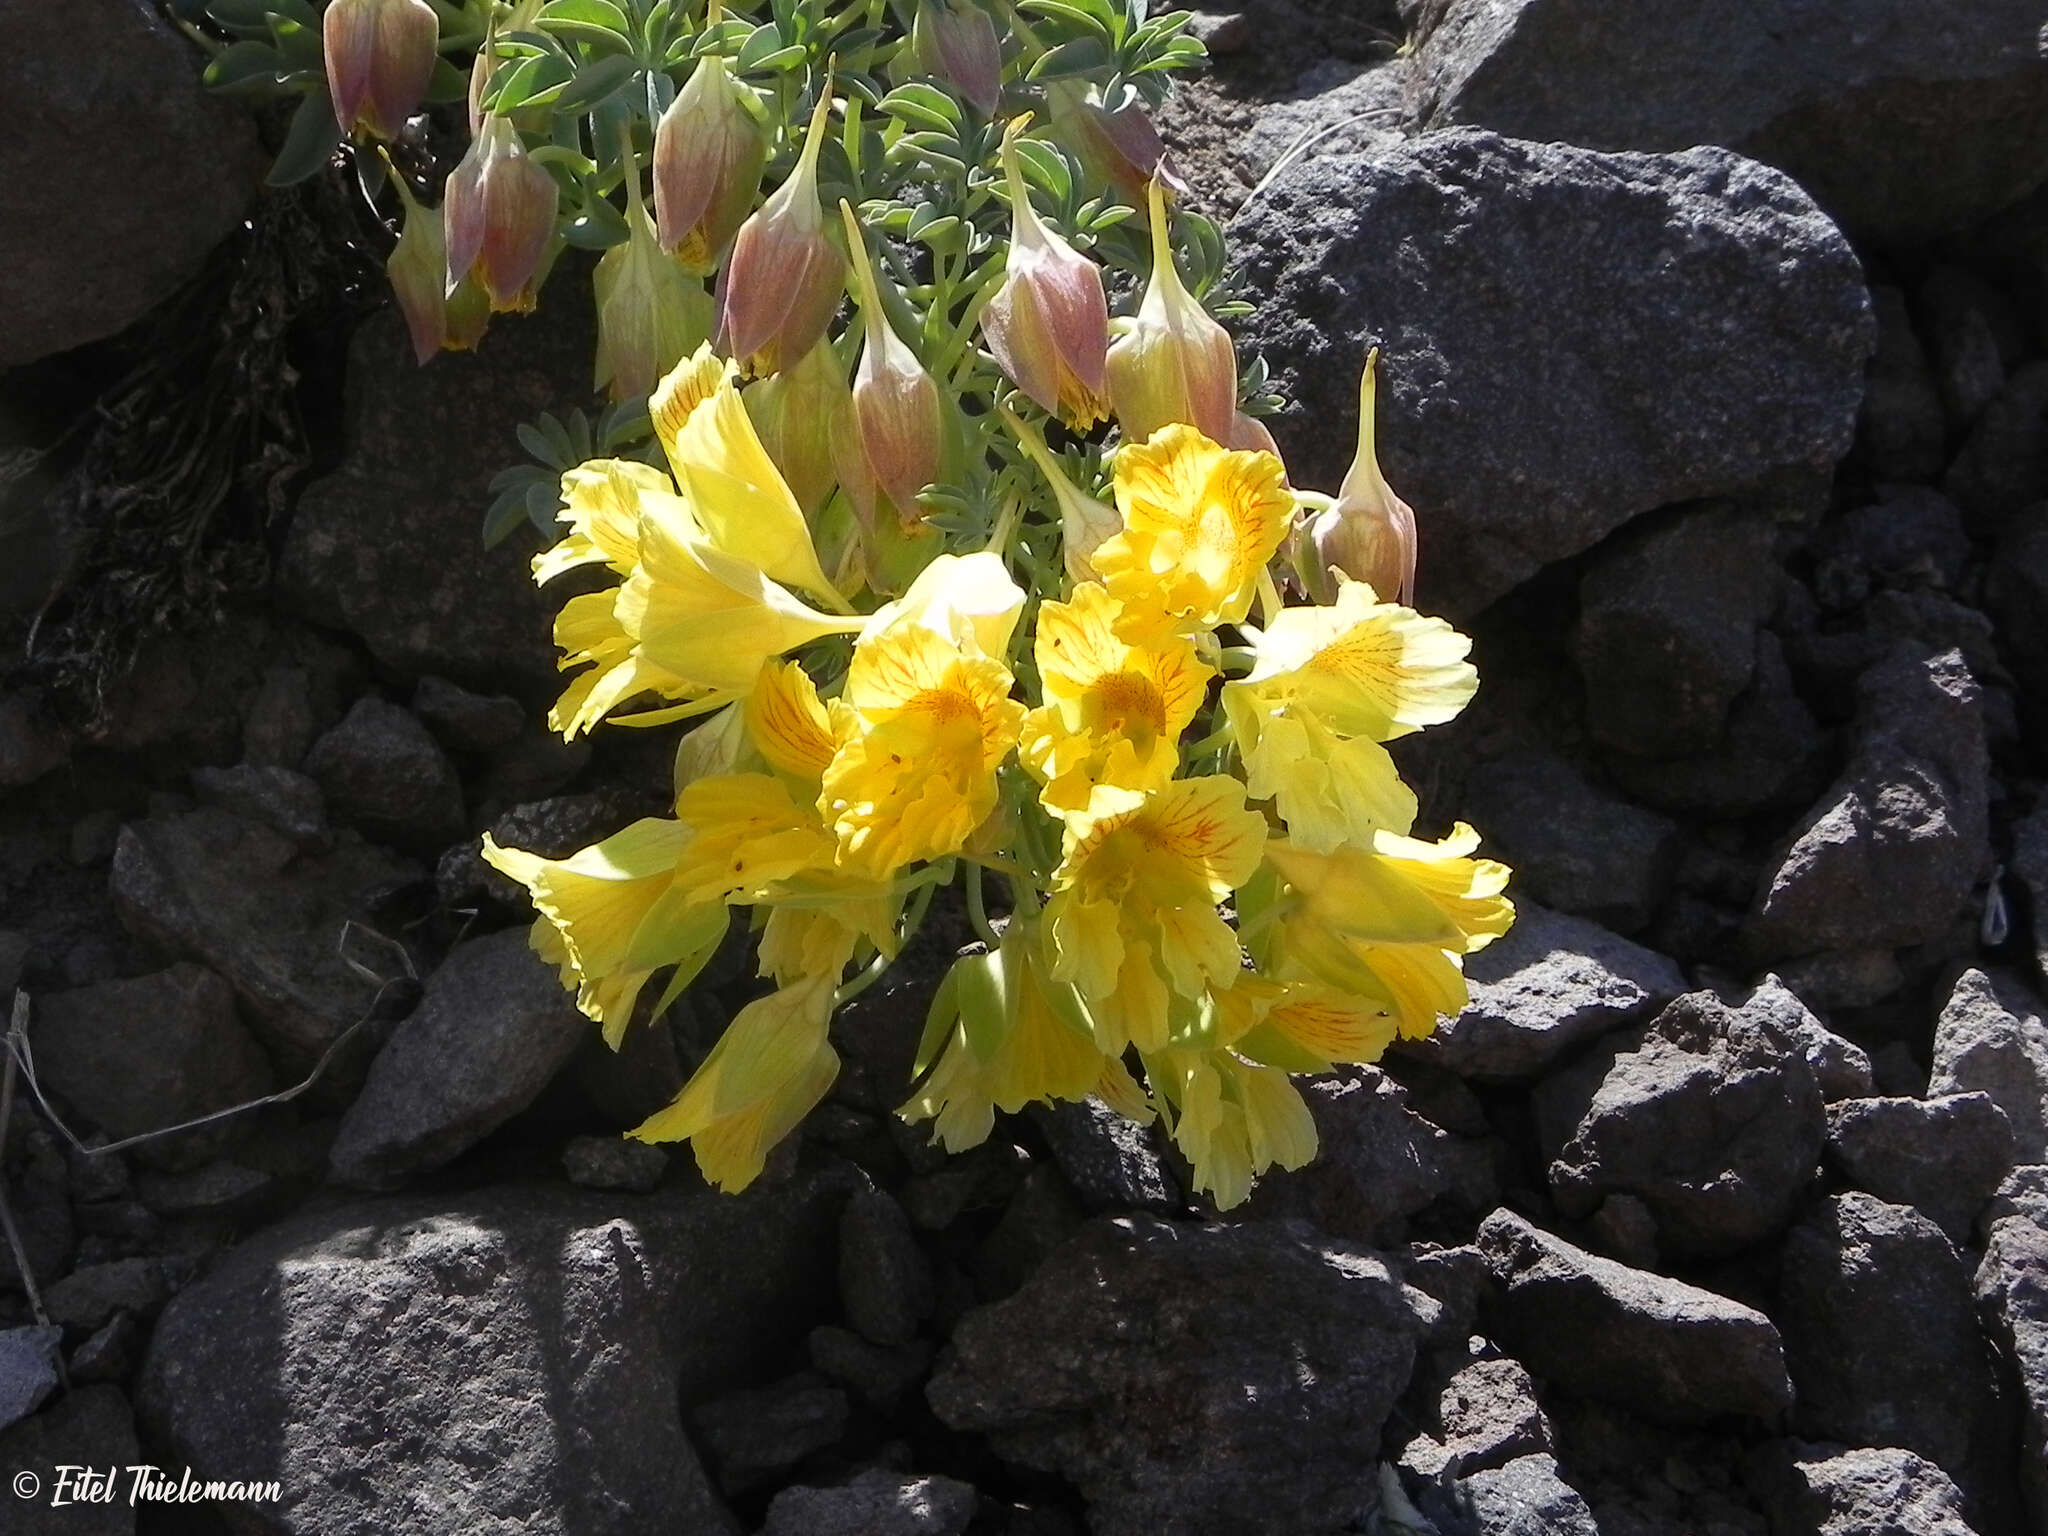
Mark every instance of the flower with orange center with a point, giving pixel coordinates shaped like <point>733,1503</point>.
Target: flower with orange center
<point>1110,728</point>
<point>1200,523</point>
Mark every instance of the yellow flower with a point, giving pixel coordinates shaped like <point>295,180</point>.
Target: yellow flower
<point>968,599</point>
<point>1309,1027</point>
<point>788,724</point>
<point>1200,523</point>
<point>1114,709</point>
<point>589,634</point>
<point>1008,1034</point>
<point>1329,789</point>
<point>919,732</point>
<point>750,835</point>
<point>603,501</point>
<point>612,915</point>
<point>1231,1119</point>
<point>1387,924</point>
<point>769,1069</point>
<point>1133,914</point>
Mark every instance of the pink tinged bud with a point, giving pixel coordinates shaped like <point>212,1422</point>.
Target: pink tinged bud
<point>783,284</point>
<point>1048,325</point>
<point>1122,147</point>
<point>380,57</point>
<point>650,313</point>
<point>1369,532</point>
<point>955,41</point>
<point>804,416</point>
<point>1085,522</point>
<point>709,150</point>
<point>418,270</point>
<point>500,215</point>
<point>1174,363</point>
<point>895,402</point>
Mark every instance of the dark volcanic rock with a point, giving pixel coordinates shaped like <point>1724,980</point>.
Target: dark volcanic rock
<point>493,1029</point>
<point>1485,1416</point>
<point>1889,854</point>
<point>1112,1162</point>
<point>237,896</point>
<point>1832,1491</point>
<point>383,772</point>
<point>1911,124</point>
<point>90,1427</point>
<point>2002,467</point>
<point>2030,870</point>
<point>1882,1337</point>
<point>756,1432</point>
<point>136,1056</point>
<point>1243,1401</point>
<point>1942,1155</point>
<point>876,1503</point>
<point>2012,1293</point>
<point>1903,431</point>
<point>515,1360</point>
<point>1667,1350</point>
<point>387,548</point>
<point>885,1281</point>
<point>1526,1497</point>
<point>1992,1038</point>
<point>1714,1121</point>
<point>124,176</point>
<point>1549,985</point>
<point>1708,339</point>
<point>2016,593</point>
<point>29,1361</point>
<point>286,802</point>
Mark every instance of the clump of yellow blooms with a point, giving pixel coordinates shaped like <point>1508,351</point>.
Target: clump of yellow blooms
<point>1202,853</point>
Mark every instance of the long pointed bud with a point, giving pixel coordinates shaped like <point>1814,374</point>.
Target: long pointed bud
<point>804,416</point>
<point>380,56</point>
<point>1175,363</point>
<point>1368,533</point>
<point>1048,325</point>
<point>785,279</point>
<point>500,216</point>
<point>956,42</point>
<point>709,151</point>
<point>650,313</point>
<point>1122,147</point>
<point>418,270</point>
<point>895,402</point>
<point>1084,521</point>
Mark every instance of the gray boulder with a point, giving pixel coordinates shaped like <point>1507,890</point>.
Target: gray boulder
<point>2016,594</point>
<point>885,1280</point>
<point>2002,468</point>
<point>1902,432</point>
<point>1276,1358</point>
<point>494,1028</point>
<point>1992,1038</point>
<point>139,1055</point>
<point>381,771</point>
<point>1891,851</point>
<point>30,1359</point>
<point>1714,1120</point>
<point>1882,1338</point>
<point>2030,872</point>
<point>122,179</point>
<point>1484,1416</point>
<point>1654,1345</point>
<point>2012,1295</point>
<point>1944,1156</point>
<point>1831,1490</point>
<point>1709,341</point>
<point>518,1360</point>
<point>876,1503</point>
<point>236,896</point>
<point>285,801</point>
<point>1111,1162</point>
<point>90,1427</point>
<point>1525,1497</point>
<point>1550,984</point>
<point>1911,124</point>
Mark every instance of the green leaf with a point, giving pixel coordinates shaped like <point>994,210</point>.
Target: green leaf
<point>533,81</point>
<point>447,84</point>
<point>536,442</point>
<point>597,82</point>
<point>250,16</point>
<point>300,47</point>
<point>242,65</point>
<point>1046,166</point>
<point>598,228</point>
<point>506,513</point>
<point>923,106</point>
<point>598,23</point>
<point>938,1022</point>
<point>1082,56</point>
<point>1072,15</point>
<point>309,143</point>
<point>984,994</point>
<point>765,41</point>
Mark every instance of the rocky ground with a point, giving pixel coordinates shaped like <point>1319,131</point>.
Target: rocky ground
<point>1723,1210</point>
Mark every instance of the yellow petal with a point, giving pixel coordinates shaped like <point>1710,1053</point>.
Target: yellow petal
<point>688,385</point>
<point>1366,668</point>
<point>965,599</point>
<point>788,723</point>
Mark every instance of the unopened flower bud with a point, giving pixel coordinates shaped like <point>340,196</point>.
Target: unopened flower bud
<point>804,416</point>
<point>895,402</point>
<point>709,149</point>
<point>651,314</point>
<point>418,270</point>
<point>1048,325</point>
<point>1174,363</point>
<point>380,57</point>
<point>1084,521</point>
<point>1368,533</point>
<point>783,284</point>
<point>955,41</point>
<point>1122,147</point>
<point>500,217</point>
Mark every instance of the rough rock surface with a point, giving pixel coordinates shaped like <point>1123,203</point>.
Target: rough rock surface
<point>493,1029</point>
<point>29,1362</point>
<point>1908,125</point>
<point>1882,1337</point>
<point>90,1427</point>
<point>1992,1037</point>
<point>1943,1155</point>
<point>1833,1491</point>
<point>1550,984</point>
<point>2012,1294</point>
<point>1710,338</point>
<point>513,1361</point>
<point>1892,849</point>
<point>1526,1497</point>
<point>1273,1357</point>
<point>1714,1120</point>
<point>381,771</point>
<point>1485,1416</point>
<point>1658,1346</point>
<point>158,1050</point>
<point>874,1504</point>
<point>386,546</point>
<point>126,173</point>
<point>245,901</point>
